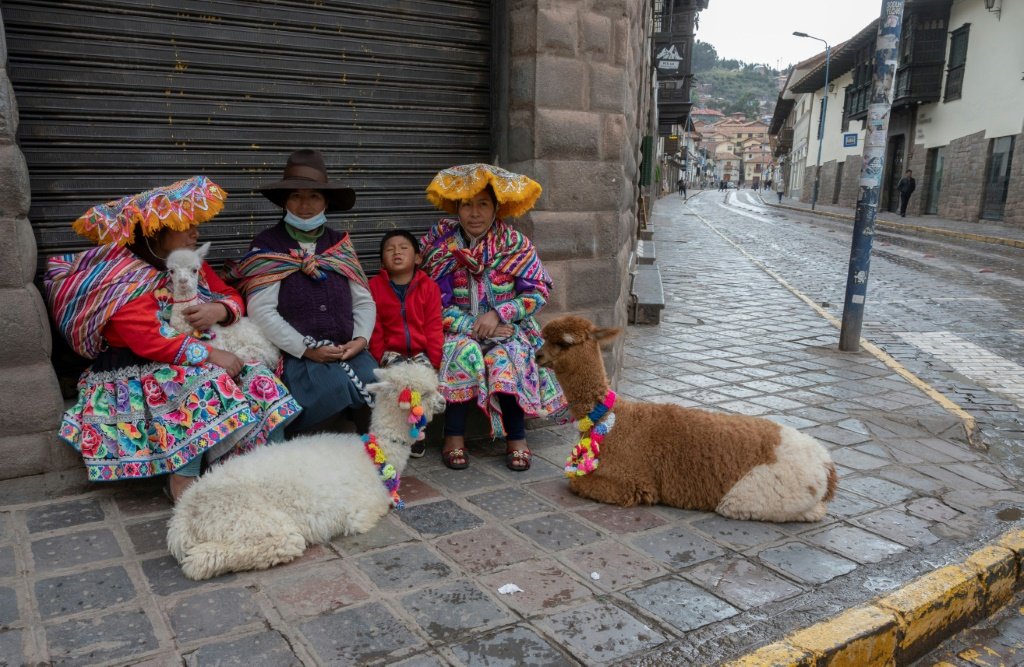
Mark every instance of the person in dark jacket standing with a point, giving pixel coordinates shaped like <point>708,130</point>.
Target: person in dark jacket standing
<point>906,186</point>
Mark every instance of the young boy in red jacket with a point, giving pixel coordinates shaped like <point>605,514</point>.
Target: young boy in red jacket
<point>408,307</point>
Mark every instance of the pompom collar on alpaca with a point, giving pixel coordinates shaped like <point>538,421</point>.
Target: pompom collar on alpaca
<point>410,400</point>
<point>389,476</point>
<point>593,429</point>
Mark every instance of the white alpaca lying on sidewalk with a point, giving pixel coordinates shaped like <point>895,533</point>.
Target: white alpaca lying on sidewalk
<point>242,337</point>
<point>257,510</point>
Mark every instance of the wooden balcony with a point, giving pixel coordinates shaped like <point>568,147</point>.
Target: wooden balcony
<point>782,142</point>
<point>918,83</point>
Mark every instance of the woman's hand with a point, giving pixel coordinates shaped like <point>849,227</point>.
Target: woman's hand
<point>504,331</point>
<point>324,355</point>
<point>226,360</point>
<point>352,348</point>
<point>204,315</point>
<point>485,325</point>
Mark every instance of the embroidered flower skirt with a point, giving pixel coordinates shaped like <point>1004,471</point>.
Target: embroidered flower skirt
<point>140,420</point>
<point>325,390</point>
<point>471,373</point>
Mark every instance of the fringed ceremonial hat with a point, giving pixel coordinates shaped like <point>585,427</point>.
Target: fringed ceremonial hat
<point>516,193</point>
<point>179,206</point>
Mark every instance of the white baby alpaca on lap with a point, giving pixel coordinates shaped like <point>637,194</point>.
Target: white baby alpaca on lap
<point>242,337</point>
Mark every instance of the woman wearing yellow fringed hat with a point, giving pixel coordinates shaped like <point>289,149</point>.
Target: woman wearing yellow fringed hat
<point>492,285</point>
<point>155,401</point>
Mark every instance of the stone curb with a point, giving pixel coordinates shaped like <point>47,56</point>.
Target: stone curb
<point>997,240</point>
<point>904,625</point>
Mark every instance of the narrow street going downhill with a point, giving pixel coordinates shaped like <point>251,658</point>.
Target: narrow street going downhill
<point>950,310</point>
<point>751,291</point>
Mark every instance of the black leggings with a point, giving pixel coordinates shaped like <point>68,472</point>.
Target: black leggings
<point>512,417</point>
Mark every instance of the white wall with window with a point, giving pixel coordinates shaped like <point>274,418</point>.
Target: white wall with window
<point>991,95</point>
<point>832,147</point>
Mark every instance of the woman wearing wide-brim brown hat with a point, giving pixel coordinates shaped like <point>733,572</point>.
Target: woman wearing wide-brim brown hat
<point>305,288</point>
<point>306,170</point>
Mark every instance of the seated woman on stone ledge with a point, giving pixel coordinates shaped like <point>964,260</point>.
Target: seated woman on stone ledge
<point>492,284</point>
<point>154,401</point>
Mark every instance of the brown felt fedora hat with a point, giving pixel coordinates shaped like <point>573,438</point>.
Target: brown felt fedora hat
<point>306,170</point>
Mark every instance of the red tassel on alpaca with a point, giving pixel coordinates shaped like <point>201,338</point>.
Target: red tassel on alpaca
<point>405,398</point>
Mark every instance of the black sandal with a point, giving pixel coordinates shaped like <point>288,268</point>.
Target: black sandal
<point>455,458</point>
<point>518,459</point>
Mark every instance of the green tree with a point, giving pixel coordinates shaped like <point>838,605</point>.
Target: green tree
<point>705,57</point>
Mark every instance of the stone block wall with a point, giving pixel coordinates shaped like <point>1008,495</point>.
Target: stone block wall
<point>917,161</point>
<point>30,405</point>
<point>1014,212</point>
<point>573,116</point>
<point>963,179</point>
<point>849,190</point>
<point>827,185</point>
<point>807,190</point>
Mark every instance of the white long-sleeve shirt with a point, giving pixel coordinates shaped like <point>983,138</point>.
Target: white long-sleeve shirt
<point>262,309</point>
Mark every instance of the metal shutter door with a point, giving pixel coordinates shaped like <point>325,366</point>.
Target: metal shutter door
<point>120,96</point>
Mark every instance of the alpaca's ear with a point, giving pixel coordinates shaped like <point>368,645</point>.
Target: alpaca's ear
<point>203,249</point>
<point>604,336</point>
<point>377,387</point>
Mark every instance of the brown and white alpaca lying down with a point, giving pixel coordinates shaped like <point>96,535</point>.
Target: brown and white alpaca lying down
<point>741,467</point>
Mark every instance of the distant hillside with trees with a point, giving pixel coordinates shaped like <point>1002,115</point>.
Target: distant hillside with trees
<point>733,85</point>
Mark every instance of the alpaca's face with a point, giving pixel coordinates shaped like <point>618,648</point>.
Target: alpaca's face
<point>417,377</point>
<point>432,401</point>
<point>570,341</point>
<point>183,267</point>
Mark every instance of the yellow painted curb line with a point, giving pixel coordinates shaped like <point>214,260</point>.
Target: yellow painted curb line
<point>904,625</point>
<point>969,236</point>
<point>969,422</point>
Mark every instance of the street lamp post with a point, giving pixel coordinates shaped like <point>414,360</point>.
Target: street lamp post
<point>821,121</point>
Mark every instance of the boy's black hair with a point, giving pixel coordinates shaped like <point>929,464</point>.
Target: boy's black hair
<point>404,233</point>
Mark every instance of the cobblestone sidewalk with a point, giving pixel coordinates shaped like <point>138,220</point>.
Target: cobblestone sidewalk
<point>85,577</point>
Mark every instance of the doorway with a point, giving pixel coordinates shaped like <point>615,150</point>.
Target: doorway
<point>938,159</point>
<point>997,181</point>
<point>895,173</point>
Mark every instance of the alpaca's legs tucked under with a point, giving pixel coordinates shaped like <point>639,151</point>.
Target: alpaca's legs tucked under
<point>271,539</point>
<point>612,491</point>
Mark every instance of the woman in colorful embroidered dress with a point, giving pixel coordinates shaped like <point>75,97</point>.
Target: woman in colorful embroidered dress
<point>492,284</point>
<point>306,290</point>
<point>155,401</point>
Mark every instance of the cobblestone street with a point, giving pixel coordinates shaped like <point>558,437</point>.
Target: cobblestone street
<point>85,577</point>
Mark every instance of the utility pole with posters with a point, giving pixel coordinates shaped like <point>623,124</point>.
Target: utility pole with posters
<point>887,42</point>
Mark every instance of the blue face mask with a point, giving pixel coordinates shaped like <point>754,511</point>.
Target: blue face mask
<point>305,224</point>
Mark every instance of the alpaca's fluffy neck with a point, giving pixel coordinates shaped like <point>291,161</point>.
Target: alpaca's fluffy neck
<point>180,303</point>
<point>390,423</point>
<point>585,387</point>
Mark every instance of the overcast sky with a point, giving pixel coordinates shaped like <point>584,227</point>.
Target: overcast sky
<point>759,31</point>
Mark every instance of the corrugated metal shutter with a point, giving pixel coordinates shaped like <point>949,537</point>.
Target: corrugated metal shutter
<point>119,96</point>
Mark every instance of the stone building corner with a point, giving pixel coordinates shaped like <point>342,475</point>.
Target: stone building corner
<point>30,405</point>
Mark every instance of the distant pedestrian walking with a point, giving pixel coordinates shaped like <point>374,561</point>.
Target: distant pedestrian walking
<point>906,186</point>
<point>780,189</point>
<point>721,185</point>
<point>682,187</point>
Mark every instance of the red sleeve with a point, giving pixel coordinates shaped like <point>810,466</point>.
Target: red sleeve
<point>231,299</point>
<point>135,326</point>
<point>377,337</point>
<point>432,323</point>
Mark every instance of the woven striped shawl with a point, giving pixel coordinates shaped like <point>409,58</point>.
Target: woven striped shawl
<point>85,289</point>
<point>262,268</point>
<point>502,249</point>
